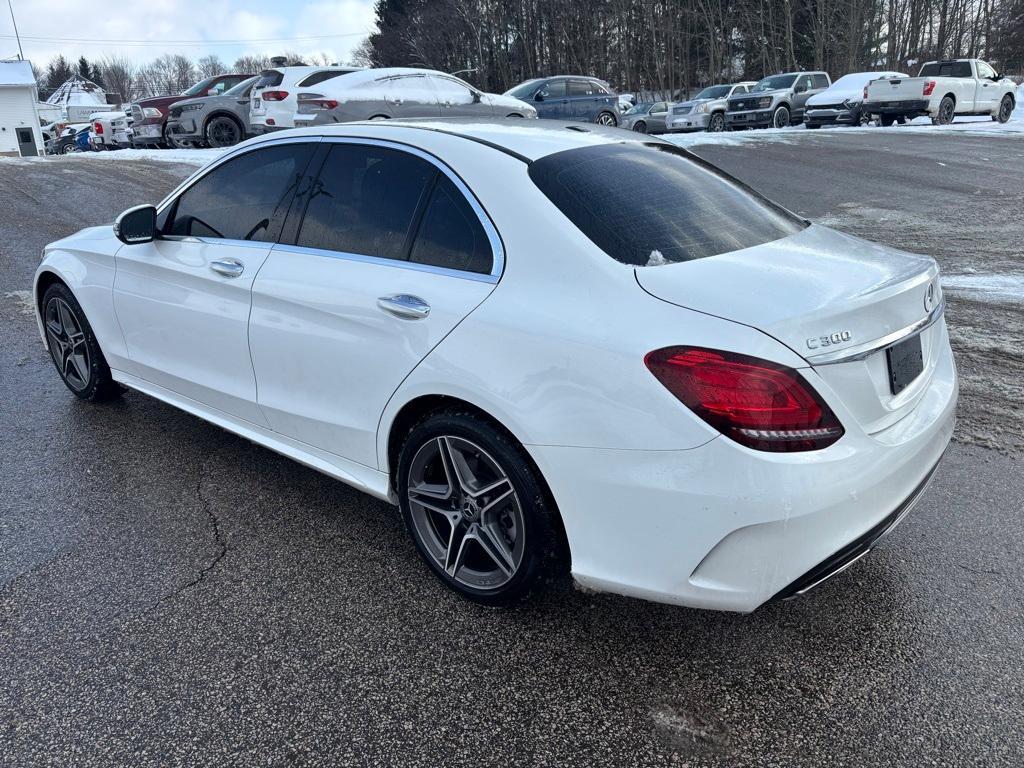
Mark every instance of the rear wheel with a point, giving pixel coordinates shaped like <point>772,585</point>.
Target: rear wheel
<point>73,347</point>
<point>887,120</point>
<point>781,117</point>
<point>607,118</point>
<point>946,111</point>
<point>717,123</point>
<point>222,131</point>
<point>1005,109</point>
<point>475,507</point>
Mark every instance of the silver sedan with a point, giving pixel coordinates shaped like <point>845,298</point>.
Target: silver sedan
<point>648,117</point>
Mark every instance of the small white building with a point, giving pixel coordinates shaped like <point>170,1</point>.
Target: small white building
<point>19,123</point>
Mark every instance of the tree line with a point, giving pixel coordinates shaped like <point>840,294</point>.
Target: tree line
<point>674,46</point>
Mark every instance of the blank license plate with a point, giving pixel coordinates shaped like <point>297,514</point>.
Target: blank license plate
<point>905,363</point>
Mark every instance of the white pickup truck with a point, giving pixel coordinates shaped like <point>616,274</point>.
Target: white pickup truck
<point>942,90</point>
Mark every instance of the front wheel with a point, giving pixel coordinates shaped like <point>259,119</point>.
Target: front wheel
<point>222,131</point>
<point>1005,109</point>
<point>946,111</point>
<point>73,347</point>
<point>475,508</point>
<point>717,123</point>
<point>781,117</point>
<point>640,127</point>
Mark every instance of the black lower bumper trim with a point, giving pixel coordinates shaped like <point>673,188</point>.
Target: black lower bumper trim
<point>856,549</point>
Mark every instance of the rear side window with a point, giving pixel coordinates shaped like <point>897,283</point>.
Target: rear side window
<point>651,204</point>
<point>365,201</point>
<point>243,199</point>
<point>269,78</point>
<point>450,234</point>
<point>581,88</point>
<point>319,77</point>
<point>820,80</point>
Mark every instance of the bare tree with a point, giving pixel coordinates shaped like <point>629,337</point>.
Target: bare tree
<point>120,76</point>
<point>210,65</point>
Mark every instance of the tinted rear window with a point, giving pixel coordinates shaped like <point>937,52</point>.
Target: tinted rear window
<point>450,234</point>
<point>946,69</point>
<point>270,78</point>
<point>319,77</point>
<point>650,204</point>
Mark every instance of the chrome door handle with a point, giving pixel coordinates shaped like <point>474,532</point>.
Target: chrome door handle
<point>227,267</point>
<point>405,306</point>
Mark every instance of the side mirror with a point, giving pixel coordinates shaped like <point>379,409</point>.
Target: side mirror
<point>477,97</point>
<point>800,89</point>
<point>136,225</point>
<point>212,92</point>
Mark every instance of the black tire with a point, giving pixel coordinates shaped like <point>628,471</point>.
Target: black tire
<point>223,131</point>
<point>531,537</point>
<point>640,127</point>
<point>86,372</point>
<point>947,108</point>
<point>1005,109</point>
<point>781,117</point>
<point>606,118</point>
<point>888,120</point>
<point>717,122</point>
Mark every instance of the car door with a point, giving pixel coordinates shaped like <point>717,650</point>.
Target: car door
<point>391,253</point>
<point>456,99</point>
<point>410,96</point>
<point>802,90</point>
<point>552,100</point>
<point>657,117</point>
<point>183,300</point>
<point>583,100</point>
<point>989,94</point>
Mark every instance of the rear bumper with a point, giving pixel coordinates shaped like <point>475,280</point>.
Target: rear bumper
<point>724,527</point>
<point>907,107</point>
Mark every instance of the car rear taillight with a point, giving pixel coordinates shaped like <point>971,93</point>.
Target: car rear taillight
<point>928,88</point>
<point>757,403</point>
<point>274,95</point>
<point>314,102</point>
<point>865,93</point>
<point>97,128</point>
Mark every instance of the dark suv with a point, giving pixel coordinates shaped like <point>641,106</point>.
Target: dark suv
<point>149,116</point>
<point>570,97</point>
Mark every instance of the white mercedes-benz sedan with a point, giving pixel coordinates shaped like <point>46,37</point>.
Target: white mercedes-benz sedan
<point>553,346</point>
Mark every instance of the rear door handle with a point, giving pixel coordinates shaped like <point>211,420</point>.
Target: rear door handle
<point>227,267</point>
<point>405,306</point>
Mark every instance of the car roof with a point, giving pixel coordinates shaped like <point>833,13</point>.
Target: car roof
<point>523,138</point>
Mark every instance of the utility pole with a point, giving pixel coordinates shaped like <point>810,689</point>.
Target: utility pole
<point>21,55</point>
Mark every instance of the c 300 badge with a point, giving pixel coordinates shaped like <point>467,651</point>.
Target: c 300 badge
<point>831,340</point>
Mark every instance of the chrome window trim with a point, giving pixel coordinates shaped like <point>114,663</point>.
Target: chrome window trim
<point>380,261</point>
<point>868,348</point>
<point>497,247</point>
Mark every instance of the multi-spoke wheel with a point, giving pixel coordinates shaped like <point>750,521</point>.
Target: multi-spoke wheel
<point>222,131</point>
<point>947,110</point>
<point>1005,109</point>
<point>73,346</point>
<point>608,119</point>
<point>474,507</point>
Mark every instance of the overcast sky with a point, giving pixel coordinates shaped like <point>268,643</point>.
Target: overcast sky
<point>164,25</point>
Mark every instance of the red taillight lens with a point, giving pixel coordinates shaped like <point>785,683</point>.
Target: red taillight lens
<point>865,93</point>
<point>928,88</point>
<point>97,128</point>
<point>319,103</point>
<point>274,95</point>
<point>760,404</point>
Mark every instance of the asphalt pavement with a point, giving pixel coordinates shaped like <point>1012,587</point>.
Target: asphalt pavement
<point>171,594</point>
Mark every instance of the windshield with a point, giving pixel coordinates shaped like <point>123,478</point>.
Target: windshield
<point>200,88</point>
<point>714,92</point>
<point>774,82</point>
<point>654,204</point>
<point>523,89</point>
<point>241,88</point>
<point>640,108</point>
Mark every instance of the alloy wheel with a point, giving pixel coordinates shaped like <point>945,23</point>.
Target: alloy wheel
<point>717,123</point>
<point>606,119</point>
<point>781,118</point>
<point>68,345</point>
<point>1005,109</point>
<point>640,127</point>
<point>223,133</point>
<point>466,512</point>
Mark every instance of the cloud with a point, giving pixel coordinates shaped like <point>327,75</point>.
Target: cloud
<point>160,24</point>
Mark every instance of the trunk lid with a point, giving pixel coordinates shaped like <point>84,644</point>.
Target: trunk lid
<point>825,295</point>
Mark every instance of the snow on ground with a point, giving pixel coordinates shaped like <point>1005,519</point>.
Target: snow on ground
<point>189,156</point>
<point>1003,288</point>
<point>981,125</point>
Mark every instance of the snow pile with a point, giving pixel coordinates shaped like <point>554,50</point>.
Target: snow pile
<point>1003,288</point>
<point>187,156</point>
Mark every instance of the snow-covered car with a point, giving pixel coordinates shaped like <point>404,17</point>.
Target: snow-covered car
<point>216,121</point>
<point>942,90</point>
<point>274,97</point>
<point>706,110</point>
<point>110,130</point>
<point>840,103</point>
<point>776,101</point>
<point>703,400</point>
<point>376,94</point>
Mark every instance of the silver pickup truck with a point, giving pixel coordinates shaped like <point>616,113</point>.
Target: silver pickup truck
<point>942,90</point>
<point>775,101</point>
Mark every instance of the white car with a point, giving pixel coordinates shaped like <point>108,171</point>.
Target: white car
<point>274,97</point>
<point>722,407</point>
<point>840,103</point>
<point>942,90</point>
<point>110,130</point>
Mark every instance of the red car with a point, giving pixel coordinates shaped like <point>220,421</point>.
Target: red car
<point>149,116</point>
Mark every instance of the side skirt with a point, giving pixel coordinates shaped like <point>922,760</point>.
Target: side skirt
<point>359,476</point>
